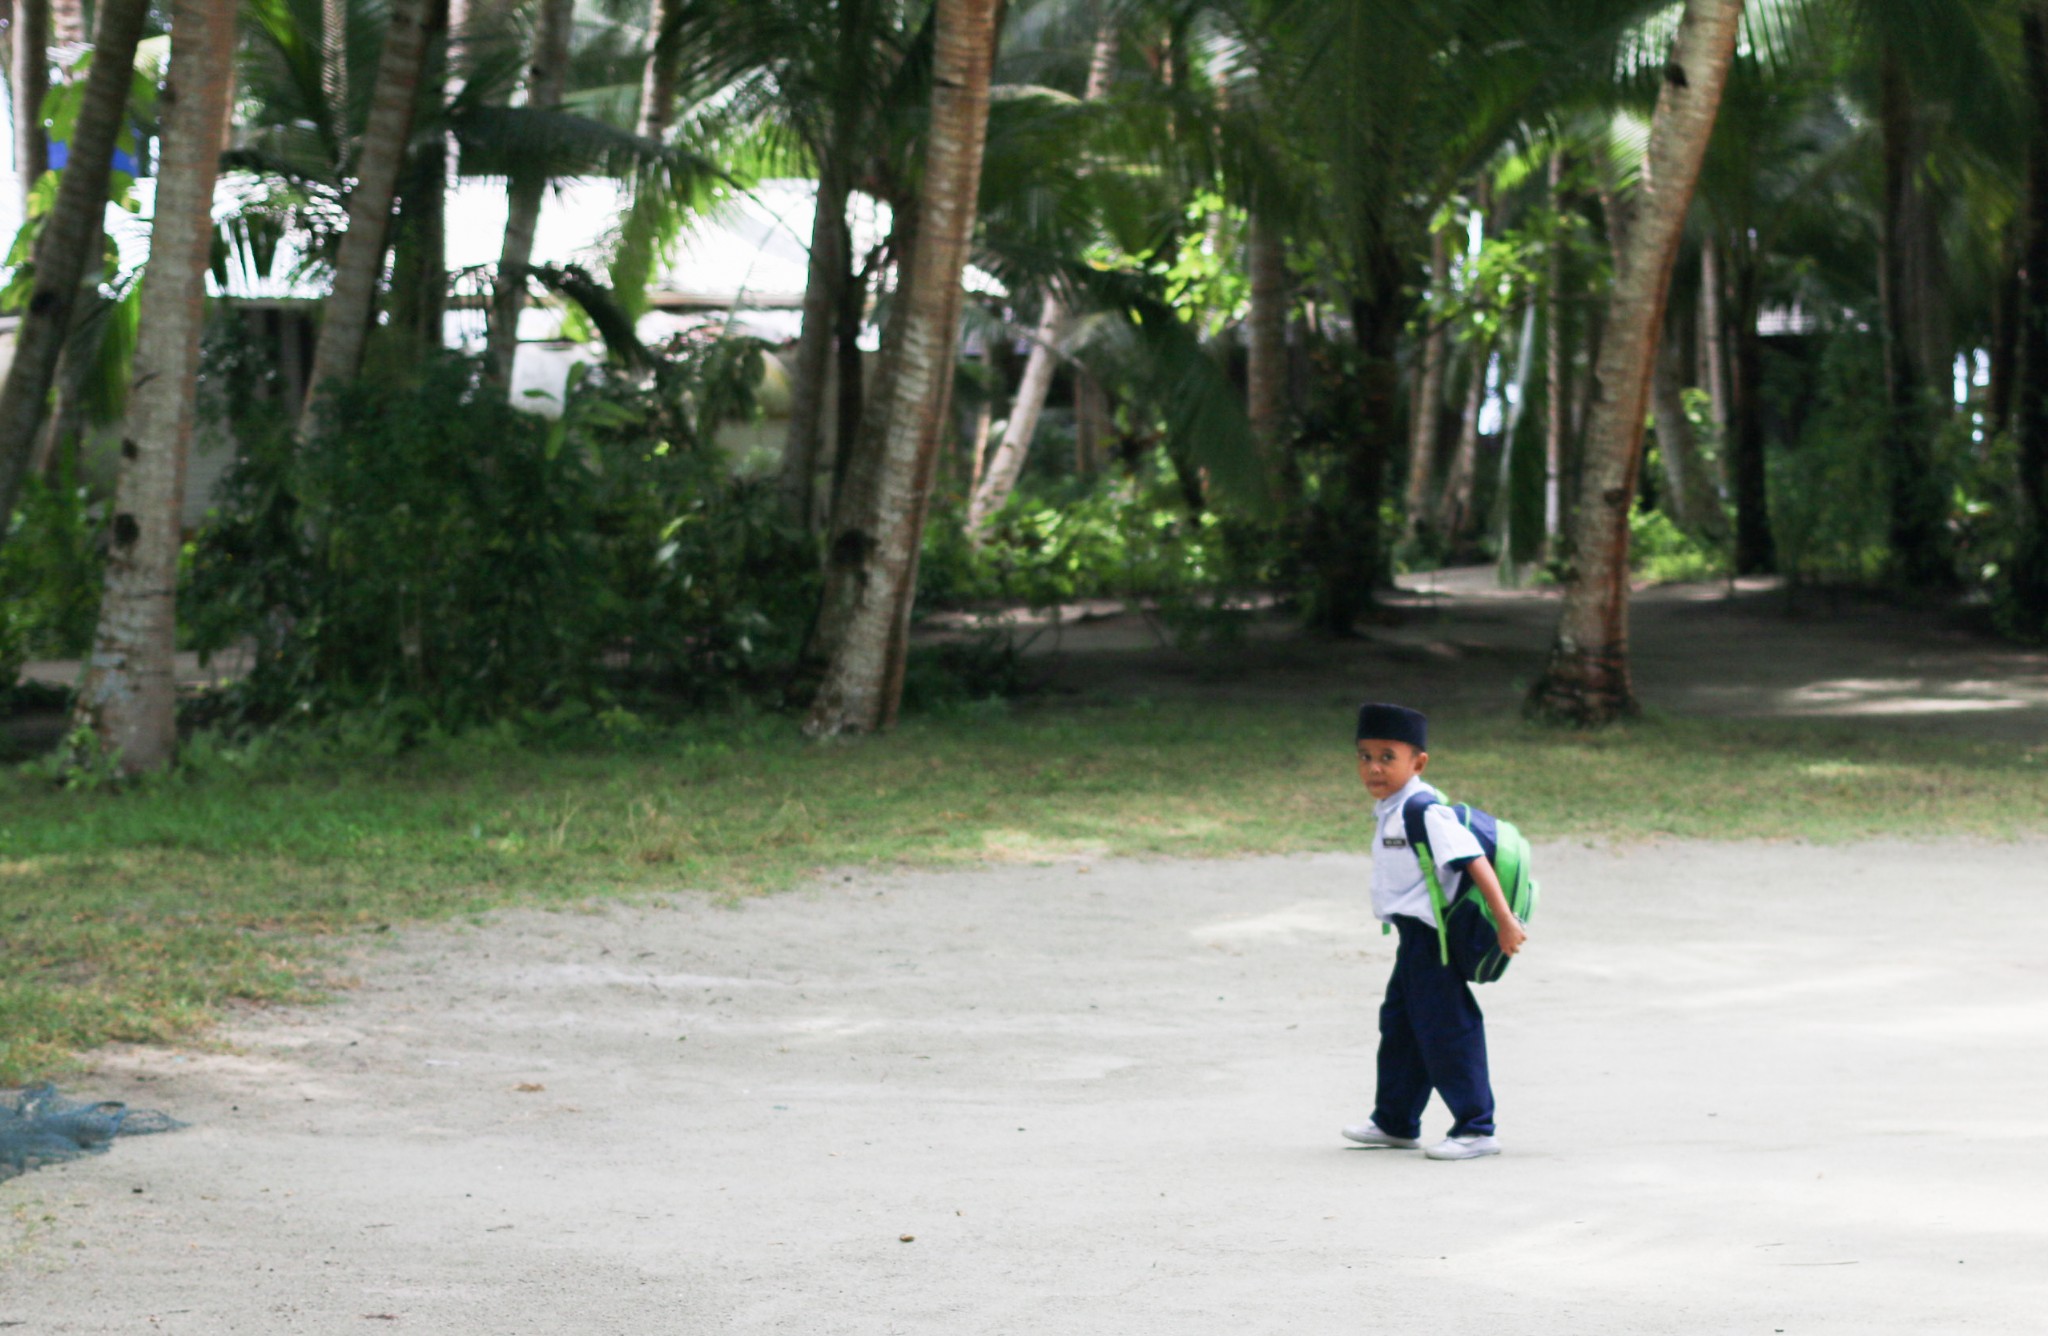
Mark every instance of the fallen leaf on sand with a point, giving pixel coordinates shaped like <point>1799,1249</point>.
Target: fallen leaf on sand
<point>529,1087</point>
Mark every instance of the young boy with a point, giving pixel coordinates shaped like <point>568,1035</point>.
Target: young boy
<point>1431,1032</point>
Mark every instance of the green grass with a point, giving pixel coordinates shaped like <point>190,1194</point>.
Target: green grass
<point>136,915</point>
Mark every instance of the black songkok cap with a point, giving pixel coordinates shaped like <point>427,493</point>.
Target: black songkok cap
<point>1396,723</point>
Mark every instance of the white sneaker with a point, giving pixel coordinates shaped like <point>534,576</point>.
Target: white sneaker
<point>1368,1133</point>
<point>1463,1148</point>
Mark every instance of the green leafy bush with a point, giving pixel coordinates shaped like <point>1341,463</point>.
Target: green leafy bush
<point>52,569</point>
<point>1112,537</point>
<point>1663,553</point>
<point>436,552</point>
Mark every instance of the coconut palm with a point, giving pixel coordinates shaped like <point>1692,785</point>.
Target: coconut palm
<point>549,71</point>
<point>28,81</point>
<point>69,239</point>
<point>127,695</point>
<point>1586,680</point>
<point>351,306</point>
<point>872,572</point>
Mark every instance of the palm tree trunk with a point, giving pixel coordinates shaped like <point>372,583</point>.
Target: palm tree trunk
<point>547,76</point>
<point>417,308</point>
<point>334,77</point>
<point>345,325</point>
<point>1266,348</point>
<point>873,554</point>
<point>1422,424</point>
<point>2030,411</point>
<point>1693,504</point>
<point>30,80</point>
<point>129,692</point>
<point>1092,424</point>
<point>1454,507</point>
<point>1001,475</point>
<point>1556,358</point>
<point>1755,552</point>
<point>1586,681</point>
<point>1917,503</point>
<point>1714,334</point>
<point>70,234</point>
<point>999,479</point>
<point>851,406</point>
<point>658,79</point>
<point>810,374</point>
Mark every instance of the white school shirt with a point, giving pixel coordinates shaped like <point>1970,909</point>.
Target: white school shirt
<point>1398,886</point>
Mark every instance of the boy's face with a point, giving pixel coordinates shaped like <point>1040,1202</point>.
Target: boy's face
<point>1385,765</point>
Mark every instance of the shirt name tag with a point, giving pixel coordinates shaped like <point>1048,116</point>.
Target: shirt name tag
<point>1394,842</point>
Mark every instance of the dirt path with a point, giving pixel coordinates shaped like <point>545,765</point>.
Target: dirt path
<point>1454,637</point>
<point>1744,1089</point>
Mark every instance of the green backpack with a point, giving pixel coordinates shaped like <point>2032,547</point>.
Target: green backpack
<point>1465,927</point>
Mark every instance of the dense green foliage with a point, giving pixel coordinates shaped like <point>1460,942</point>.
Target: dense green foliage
<point>50,572</point>
<point>437,550</point>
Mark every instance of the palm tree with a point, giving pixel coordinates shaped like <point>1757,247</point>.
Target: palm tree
<point>1003,469</point>
<point>1380,110</point>
<point>1423,419</point>
<point>70,236</point>
<point>29,37</point>
<point>871,575</point>
<point>128,694</point>
<point>1586,680</point>
<point>351,306</point>
<point>548,74</point>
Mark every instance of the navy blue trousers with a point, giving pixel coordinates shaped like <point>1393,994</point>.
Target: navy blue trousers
<point>1432,1037</point>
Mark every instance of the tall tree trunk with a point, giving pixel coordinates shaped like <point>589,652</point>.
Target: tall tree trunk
<point>2006,298</point>
<point>30,81</point>
<point>345,324</point>
<point>334,79</point>
<point>1714,334</point>
<point>1423,417</point>
<point>1454,507</point>
<point>1092,424</point>
<point>1349,545</point>
<point>1692,501</point>
<point>1917,539</point>
<point>999,479</point>
<point>1755,552</point>
<point>873,555</point>
<point>1556,359</point>
<point>417,309</point>
<point>852,379</point>
<point>1586,680</point>
<point>2030,413</point>
<point>658,78</point>
<point>1266,350</point>
<point>129,692</point>
<point>546,76</point>
<point>67,23</point>
<point>1043,359</point>
<point>810,375</point>
<point>68,242</point>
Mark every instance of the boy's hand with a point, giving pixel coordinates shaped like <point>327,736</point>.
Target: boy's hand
<point>1511,935</point>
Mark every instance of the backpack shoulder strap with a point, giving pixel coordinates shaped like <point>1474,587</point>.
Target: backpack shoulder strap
<point>1412,813</point>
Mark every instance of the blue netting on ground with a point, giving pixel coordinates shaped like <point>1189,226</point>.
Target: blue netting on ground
<point>42,1127</point>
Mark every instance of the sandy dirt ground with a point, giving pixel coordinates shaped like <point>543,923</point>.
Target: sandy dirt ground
<point>1744,1089</point>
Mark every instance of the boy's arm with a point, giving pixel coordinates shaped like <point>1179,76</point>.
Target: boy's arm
<point>1507,928</point>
